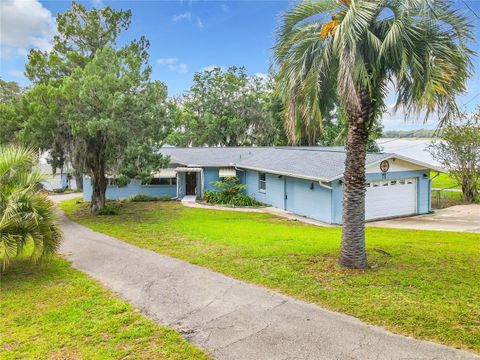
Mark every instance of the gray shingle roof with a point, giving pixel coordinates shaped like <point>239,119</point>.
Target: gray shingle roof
<point>315,163</point>
<point>212,156</point>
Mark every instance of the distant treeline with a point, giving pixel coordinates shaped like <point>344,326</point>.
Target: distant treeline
<point>421,133</point>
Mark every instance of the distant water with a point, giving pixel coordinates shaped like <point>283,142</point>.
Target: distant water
<point>412,148</point>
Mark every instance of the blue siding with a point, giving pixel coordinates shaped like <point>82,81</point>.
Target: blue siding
<point>301,200</point>
<point>251,180</point>
<point>308,198</point>
<point>423,191</point>
<point>275,193</point>
<point>210,175</point>
<point>133,188</point>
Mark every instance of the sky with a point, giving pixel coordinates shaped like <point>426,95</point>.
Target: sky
<point>186,37</point>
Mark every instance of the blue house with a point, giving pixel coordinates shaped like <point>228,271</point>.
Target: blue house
<point>303,180</point>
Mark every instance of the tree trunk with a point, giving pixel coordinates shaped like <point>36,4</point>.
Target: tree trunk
<point>353,252</point>
<point>99,184</point>
<point>468,190</point>
<point>79,181</point>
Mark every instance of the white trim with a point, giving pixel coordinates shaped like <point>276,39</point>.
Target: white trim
<point>321,183</point>
<point>166,173</point>
<point>189,169</point>
<point>407,159</point>
<point>201,184</point>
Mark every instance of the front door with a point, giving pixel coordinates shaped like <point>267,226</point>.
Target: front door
<point>191,183</point>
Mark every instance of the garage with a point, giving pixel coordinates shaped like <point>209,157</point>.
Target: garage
<point>390,198</point>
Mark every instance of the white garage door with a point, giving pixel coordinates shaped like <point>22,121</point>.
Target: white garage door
<point>390,198</point>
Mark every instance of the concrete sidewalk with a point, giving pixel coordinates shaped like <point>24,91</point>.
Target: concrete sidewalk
<point>229,318</point>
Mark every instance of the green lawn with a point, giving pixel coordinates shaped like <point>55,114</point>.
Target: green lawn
<point>51,311</point>
<point>443,181</point>
<point>426,284</point>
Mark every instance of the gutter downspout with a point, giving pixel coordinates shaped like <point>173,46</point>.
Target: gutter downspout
<point>324,185</point>
<point>244,172</point>
<point>201,183</point>
<point>178,180</point>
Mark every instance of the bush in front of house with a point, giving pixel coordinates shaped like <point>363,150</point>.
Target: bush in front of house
<point>143,198</point>
<point>230,192</point>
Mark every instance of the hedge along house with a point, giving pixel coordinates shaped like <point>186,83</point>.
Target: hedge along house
<point>304,181</point>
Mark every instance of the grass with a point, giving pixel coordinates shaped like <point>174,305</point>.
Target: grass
<point>426,284</point>
<point>443,181</point>
<point>51,311</point>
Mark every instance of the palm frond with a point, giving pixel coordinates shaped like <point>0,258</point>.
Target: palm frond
<point>27,217</point>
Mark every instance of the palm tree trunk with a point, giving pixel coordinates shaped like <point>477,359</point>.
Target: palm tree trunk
<point>353,252</point>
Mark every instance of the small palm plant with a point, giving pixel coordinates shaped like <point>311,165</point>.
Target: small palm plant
<point>27,217</point>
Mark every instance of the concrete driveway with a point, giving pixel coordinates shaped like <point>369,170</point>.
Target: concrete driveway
<point>462,218</point>
<point>231,319</point>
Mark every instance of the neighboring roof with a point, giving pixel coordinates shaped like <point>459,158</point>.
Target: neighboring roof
<point>313,163</point>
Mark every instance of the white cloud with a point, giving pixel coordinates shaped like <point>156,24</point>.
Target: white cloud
<point>211,67</point>
<point>173,64</point>
<point>188,17</point>
<point>25,24</point>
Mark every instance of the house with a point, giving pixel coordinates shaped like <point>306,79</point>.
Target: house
<point>54,179</point>
<point>303,180</point>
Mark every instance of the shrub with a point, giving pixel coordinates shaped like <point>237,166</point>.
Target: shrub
<point>109,210</point>
<point>229,186</point>
<point>143,198</point>
<point>230,192</point>
<point>27,216</point>
<point>166,197</point>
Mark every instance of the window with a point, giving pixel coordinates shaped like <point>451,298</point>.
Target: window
<point>262,183</point>
<point>162,181</point>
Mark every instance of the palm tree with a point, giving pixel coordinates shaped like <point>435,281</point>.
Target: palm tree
<point>348,55</point>
<point>27,217</point>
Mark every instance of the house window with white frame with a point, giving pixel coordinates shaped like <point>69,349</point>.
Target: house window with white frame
<point>262,182</point>
<point>161,181</point>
